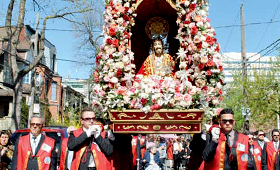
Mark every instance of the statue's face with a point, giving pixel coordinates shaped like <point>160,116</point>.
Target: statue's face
<point>158,47</point>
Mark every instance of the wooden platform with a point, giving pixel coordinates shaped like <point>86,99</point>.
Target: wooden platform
<point>157,122</point>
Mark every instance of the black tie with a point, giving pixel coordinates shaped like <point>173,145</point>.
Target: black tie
<point>227,138</point>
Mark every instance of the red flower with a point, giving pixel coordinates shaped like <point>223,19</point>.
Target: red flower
<point>98,57</point>
<point>126,17</point>
<point>220,92</point>
<point>177,89</point>
<point>126,9</point>
<point>186,22</point>
<point>112,31</point>
<point>194,30</point>
<point>192,6</point>
<point>119,73</point>
<point>209,73</point>
<point>111,85</point>
<point>218,48</point>
<point>221,68</point>
<point>115,42</point>
<point>211,40</point>
<point>123,83</point>
<point>110,56</point>
<point>204,88</point>
<point>155,107</point>
<point>200,66</point>
<point>210,63</point>
<point>199,45</point>
<point>143,101</point>
<point>126,35</point>
<point>109,41</point>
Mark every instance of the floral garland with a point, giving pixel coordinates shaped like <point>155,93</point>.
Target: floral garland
<point>200,77</point>
<point>200,62</point>
<point>114,66</point>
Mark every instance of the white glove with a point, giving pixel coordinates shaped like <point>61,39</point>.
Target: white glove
<point>215,133</point>
<point>111,135</point>
<point>106,127</point>
<point>95,130</point>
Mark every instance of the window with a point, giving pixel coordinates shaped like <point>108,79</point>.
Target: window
<point>26,78</point>
<point>53,97</point>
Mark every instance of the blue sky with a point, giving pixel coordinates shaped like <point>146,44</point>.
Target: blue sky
<point>221,13</point>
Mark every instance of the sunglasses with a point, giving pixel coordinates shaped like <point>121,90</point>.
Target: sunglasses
<point>230,121</point>
<point>261,134</point>
<point>89,119</point>
<point>35,124</point>
<point>250,138</point>
<point>275,135</point>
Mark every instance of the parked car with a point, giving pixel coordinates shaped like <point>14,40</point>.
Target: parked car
<point>58,133</point>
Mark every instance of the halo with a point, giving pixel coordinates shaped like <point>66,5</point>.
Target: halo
<point>157,27</point>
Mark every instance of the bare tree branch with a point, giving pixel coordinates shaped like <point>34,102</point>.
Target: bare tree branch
<point>42,40</point>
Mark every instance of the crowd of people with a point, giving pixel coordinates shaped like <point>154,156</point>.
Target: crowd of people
<point>94,146</point>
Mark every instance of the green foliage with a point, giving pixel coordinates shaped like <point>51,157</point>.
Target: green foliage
<point>70,118</point>
<point>24,114</point>
<point>262,91</point>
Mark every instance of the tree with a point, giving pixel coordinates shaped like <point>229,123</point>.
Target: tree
<point>13,33</point>
<point>262,96</point>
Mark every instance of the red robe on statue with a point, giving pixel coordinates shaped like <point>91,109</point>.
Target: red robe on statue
<point>148,67</point>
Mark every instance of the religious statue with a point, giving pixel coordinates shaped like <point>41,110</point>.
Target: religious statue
<point>159,63</point>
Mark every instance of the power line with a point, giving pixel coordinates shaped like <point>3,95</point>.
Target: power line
<point>277,41</point>
<point>275,44</point>
<point>268,26</point>
<point>81,62</point>
<point>253,23</point>
<point>231,29</point>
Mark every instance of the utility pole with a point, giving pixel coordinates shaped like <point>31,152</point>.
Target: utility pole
<point>244,66</point>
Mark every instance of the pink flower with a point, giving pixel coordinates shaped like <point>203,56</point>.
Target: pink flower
<point>187,97</point>
<point>155,107</point>
<point>209,73</point>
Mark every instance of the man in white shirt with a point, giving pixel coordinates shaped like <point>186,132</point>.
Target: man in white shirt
<point>35,150</point>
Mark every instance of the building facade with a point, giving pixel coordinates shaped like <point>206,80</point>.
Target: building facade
<point>233,64</point>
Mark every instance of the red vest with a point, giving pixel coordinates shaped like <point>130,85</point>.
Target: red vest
<point>134,147</point>
<point>100,159</point>
<point>241,146</point>
<point>257,154</point>
<point>43,155</point>
<point>63,153</point>
<point>271,155</point>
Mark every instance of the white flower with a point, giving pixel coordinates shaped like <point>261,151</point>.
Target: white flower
<point>182,53</point>
<point>199,24</point>
<point>183,65</point>
<point>114,80</point>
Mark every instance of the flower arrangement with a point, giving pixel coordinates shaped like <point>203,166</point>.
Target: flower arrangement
<point>199,80</point>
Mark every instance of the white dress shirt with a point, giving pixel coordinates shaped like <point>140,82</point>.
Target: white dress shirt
<point>34,143</point>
